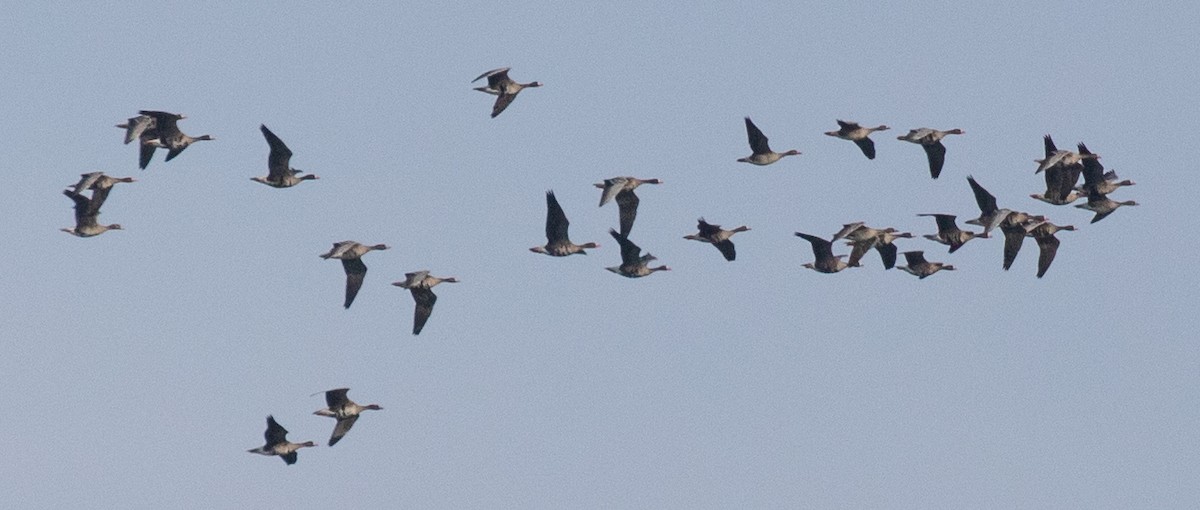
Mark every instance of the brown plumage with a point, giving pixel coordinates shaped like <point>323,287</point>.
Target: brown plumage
<point>350,253</point>
<point>716,236</point>
<point>622,188</point>
<point>499,84</point>
<point>277,443</point>
<point>859,135</point>
<point>421,285</point>
<point>343,409</point>
<point>762,154</point>
<point>633,263</point>
<point>280,174</point>
<point>558,242</point>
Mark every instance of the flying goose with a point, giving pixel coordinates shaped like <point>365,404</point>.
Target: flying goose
<point>421,285</point>
<point>633,263</point>
<point>144,129</point>
<point>1102,205</point>
<point>948,232</point>
<point>1043,232</point>
<point>627,201</point>
<point>86,211</point>
<point>500,85</point>
<point>986,202</point>
<point>279,173</point>
<point>1013,224</point>
<point>345,410</point>
<point>862,238</point>
<point>97,180</point>
<point>762,153</point>
<point>921,268</point>
<point>1060,185</point>
<point>931,141</point>
<point>169,135</point>
<point>823,252</point>
<point>1095,179</point>
<point>135,127</point>
<point>350,253</point>
<point>277,443</point>
<point>558,243</point>
<point>859,135</point>
<point>716,236</point>
<point>1055,157</point>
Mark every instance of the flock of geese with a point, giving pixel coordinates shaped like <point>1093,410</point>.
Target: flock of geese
<point>1062,170</point>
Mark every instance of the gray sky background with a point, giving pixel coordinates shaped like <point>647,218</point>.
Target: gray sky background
<point>140,364</point>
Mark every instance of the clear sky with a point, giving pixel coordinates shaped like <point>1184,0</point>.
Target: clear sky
<point>140,365</point>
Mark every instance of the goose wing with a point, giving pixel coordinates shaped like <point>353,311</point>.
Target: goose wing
<point>356,271</point>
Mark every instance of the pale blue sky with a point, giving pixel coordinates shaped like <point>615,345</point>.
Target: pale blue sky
<point>140,364</point>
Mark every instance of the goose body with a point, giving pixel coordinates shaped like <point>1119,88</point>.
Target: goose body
<point>1060,184</point>
<point>98,180</point>
<point>859,135</point>
<point>762,154</point>
<point>279,172</point>
<point>344,410</point>
<point>633,263</point>
<point>167,135</point>
<point>558,242</point>
<point>86,211</point>
<point>421,285</point>
<point>1102,205</point>
<point>716,236</point>
<point>1095,179</point>
<point>500,85</point>
<point>949,234</point>
<point>1043,232</point>
<point>931,140</point>
<point>862,238</point>
<point>1012,224</point>
<point>350,253</point>
<point>921,268</point>
<point>1059,158</point>
<point>277,443</point>
<point>825,261</point>
<point>622,188</point>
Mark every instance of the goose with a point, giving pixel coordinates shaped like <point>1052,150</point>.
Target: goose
<point>499,84</point>
<point>279,173</point>
<point>986,202</point>
<point>98,180</point>
<point>1102,205</point>
<point>1095,180</point>
<point>135,127</point>
<point>862,238</point>
<point>1060,185</point>
<point>716,236</point>
<point>345,410</point>
<point>277,443</point>
<point>558,243</point>
<point>1043,232</point>
<point>627,201</point>
<point>350,253</point>
<point>823,252</point>
<point>86,211</point>
<point>948,232</point>
<point>1055,157</point>
<point>421,285</point>
<point>762,153</point>
<point>921,268</point>
<point>169,135</point>
<point>144,129</point>
<point>859,135</point>
<point>931,141</point>
<point>633,263</point>
<point>1012,224</point>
